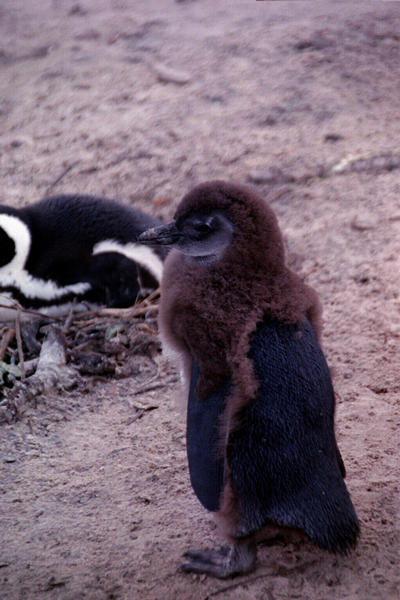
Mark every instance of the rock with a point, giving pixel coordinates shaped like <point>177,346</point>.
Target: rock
<point>362,223</point>
<point>168,75</point>
<point>77,10</point>
<point>271,176</point>
<point>332,137</point>
<point>318,42</point>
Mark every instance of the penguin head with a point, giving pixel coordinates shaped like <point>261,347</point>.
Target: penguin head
<point>201,236</point>
<point>219,220</point>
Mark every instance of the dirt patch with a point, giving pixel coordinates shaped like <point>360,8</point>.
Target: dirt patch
<point>138,103</point>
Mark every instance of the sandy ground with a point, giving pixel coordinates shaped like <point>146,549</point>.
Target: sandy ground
<point>139,101</point>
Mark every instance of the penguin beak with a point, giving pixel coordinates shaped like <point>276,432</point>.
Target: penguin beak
<point>165,235</point>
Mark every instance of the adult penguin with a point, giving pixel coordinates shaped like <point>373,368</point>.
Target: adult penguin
<point>260,420</point>
<point>75,248</point>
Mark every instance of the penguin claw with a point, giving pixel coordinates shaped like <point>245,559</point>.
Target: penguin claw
<point>208,555</point>
<point>222,563</point>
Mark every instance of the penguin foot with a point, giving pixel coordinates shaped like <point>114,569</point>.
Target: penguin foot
<point>222,563</point>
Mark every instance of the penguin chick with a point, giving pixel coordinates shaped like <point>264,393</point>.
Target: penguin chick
<point>74,247</point>
<point>261,445</point>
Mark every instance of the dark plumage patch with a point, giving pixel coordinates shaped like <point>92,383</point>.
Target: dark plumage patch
<point>68,227</point>
<point>283,459</point>
<point>7,247</point>
<point>76,247</point>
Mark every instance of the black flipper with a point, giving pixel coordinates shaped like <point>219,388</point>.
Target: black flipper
<point>206,462</point>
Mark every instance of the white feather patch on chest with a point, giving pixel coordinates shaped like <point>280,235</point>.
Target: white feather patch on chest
<point>15,275</point>
<point>142,255</point>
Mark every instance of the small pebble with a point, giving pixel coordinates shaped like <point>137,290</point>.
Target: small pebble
<point>168,75</point>
<point>362,223</point>
<point>271,176</point>
<point>333,137</point>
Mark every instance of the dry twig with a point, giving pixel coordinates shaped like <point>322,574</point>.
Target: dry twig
<point>17,307</point>
<point>61,176</point>
<point>9,336</point>
<point>19,343</point>
<point>148,388</point>
<point>128,313</point>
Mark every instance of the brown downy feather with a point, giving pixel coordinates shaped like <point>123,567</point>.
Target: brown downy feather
<point>210,311</point>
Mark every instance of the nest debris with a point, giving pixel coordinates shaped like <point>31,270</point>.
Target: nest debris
<point>40,354</point>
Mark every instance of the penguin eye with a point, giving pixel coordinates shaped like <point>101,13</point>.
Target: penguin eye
<point>202,227</point>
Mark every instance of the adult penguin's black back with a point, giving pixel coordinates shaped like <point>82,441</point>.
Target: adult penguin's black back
<point>72,247</point>
<point>260,424</point>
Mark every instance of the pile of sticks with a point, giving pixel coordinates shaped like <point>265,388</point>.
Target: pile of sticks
<point>40,353</point>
